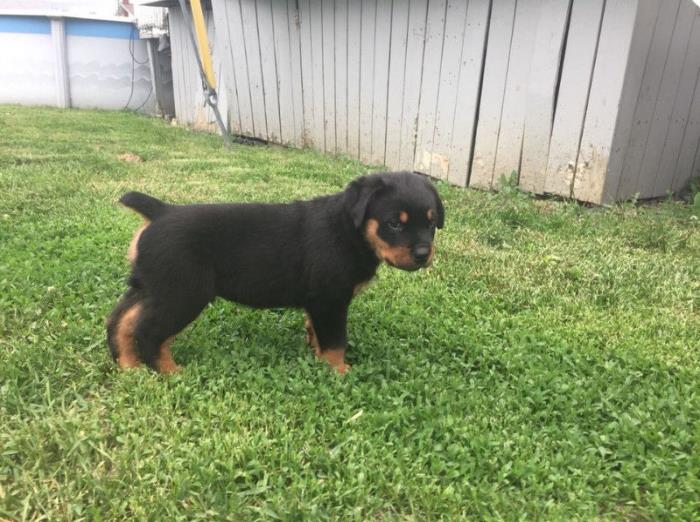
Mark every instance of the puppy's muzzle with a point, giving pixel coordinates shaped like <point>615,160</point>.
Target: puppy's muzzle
<point>421,254</point>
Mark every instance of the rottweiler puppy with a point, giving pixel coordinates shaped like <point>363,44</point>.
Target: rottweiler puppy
<point>315,255</point>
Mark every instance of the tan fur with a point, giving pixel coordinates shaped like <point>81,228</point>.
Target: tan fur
<point>399,256</point>
<point>430,214</point>
<point>128,357</point>
<point>133,253</point>
<point>335,357</point>
<point>166,363</point>
<point>311,338</point>
<point>359,288</point>
<point>403,216</point>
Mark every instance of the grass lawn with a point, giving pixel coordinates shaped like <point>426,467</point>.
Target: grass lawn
<point>547,366</point>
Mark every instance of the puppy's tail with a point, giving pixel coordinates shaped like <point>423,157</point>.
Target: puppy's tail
<point>148,206</point>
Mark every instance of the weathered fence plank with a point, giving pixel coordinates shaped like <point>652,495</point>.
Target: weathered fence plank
<point>430,84</point>
<point>367,32</point>
<point>541,93</point>
<point>397,73</point>
<point>606,92</point>
<point>663,108</point>
<point>468,90</point>
<point>574,87</point>
<point>690,144</point>
<point>448,86</point>
<point>307,84</point>
<point>510,137</point>
<point>647,13</point>
<point>283,62</point>
<point>380,92</point>
<point>414,66</point>
<point>255,75</point>
<point>648,94</point>
<point>318,130</point>
<point>328,49</point>
<point>226,77</point>
<point>492,93</point>
<point>673,142</point>
<point>341,74</point>
<point>268,62</point>
<point>353,75</point>
<point>585,98</point>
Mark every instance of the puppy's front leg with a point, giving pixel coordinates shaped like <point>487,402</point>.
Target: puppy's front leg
<point>326,327</point>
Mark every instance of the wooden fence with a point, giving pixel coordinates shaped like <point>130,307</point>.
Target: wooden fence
<point>592,99</point>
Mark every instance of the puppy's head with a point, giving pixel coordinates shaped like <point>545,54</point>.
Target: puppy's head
<point>397,214</point>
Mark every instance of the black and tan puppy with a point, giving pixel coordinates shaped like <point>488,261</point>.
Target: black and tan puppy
<point>314,255</point>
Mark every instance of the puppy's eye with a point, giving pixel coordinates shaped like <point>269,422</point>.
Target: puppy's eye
<point>395,225</point>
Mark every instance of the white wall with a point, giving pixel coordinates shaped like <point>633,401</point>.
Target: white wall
<point>70,62</point>
<point>27,72</point>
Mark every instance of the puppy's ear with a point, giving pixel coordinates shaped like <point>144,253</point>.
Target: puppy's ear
<point>358,195</point>
<point>440,221</point>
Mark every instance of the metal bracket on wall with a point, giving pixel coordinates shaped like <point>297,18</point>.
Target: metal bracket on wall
<point>203,55</point>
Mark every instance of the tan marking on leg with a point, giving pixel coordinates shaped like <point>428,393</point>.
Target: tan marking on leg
<point>335,357</point>
<point>403,216</point>
<point>359,288</point>
<point>430,214</point>
<point>399,256</point>
<point>311,338</point>
<point>128,357</point>
<point>132,253</point>
<point>166,363</point>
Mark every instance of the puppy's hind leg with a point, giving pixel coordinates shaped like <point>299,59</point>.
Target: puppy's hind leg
<point>162,317</point>
<point>120,329</point>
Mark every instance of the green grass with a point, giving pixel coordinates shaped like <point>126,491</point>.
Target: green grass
<point>547,366</point>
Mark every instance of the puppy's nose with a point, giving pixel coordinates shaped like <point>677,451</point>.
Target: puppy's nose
<point>421,253</point>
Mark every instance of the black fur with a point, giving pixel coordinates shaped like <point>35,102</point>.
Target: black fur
<point>304,254</point>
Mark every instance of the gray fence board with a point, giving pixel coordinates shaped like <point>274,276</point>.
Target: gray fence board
<point>307,86</point>
<point>240,67</point>
<point>268,62</point>
<point>397,74</point>
<point>464,90</point>
<point>606,91</point>
<point>510,137</point>
<point>673,141</point>
<point>367,32</point>
<point>647,15</point>
<point>353,82</point>
<point>329,85</point>
<point>382,42</point>
<point>341,75</point>
<point>690,143</point>
<point>543,78</point>
<point>448,87</point>
<point>472,59</point>
<point>574,87</point>
<point>293,27</point>
<point>227,77</point>
<point>649,92</point>
<point>284,60</point>
<point>430,84</point>
<point>251,43</point>
<point>415,44</point>
<point>663,108</point>
<point>317,77</point>
<point>492,93</point>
